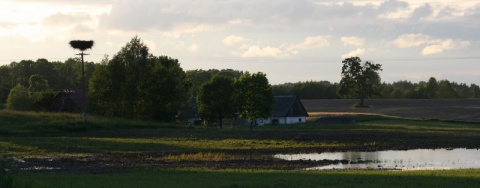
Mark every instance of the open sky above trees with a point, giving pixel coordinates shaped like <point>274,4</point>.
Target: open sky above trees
<point>289,40</point>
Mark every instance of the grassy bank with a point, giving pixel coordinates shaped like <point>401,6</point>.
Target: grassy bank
<point>14,122</point>
<point>259,178</point>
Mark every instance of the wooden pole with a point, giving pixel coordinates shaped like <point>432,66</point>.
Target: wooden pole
<point>84,88</point>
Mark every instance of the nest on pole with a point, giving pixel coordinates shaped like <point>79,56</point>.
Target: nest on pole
<point>81,45</point>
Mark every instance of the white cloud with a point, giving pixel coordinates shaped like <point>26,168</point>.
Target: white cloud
<point>150,44</point>
<point>192,48</point>
<point>354,53</point>
<point>443,45</point>
<point>411,40</point>
<point>256,51</point>
<point>434,46</point>
<point>354,41</point>
<point>61,19</point>
<point>313,42</point>
<point>233,39</point>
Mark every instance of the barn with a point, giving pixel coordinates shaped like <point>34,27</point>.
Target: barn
<point>286,110</point>
<point>68,101</point>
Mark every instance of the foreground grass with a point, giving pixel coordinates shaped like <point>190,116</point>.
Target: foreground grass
<point>258,178</point>
<point>14,122</point>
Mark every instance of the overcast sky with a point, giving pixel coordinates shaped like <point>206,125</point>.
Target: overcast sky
<point>289,40</point>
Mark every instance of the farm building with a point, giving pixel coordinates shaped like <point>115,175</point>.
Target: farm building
<point>68,101</point>
<point>286,110</point>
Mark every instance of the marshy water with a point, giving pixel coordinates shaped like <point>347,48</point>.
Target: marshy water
<point>419,159</point>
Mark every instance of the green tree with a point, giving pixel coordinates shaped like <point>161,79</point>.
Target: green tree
<point>432,88</point>
<point>475,90</point>
<point>199,77</point>
<point>215,98</point>
<point>166,89</point>
<point>445,90</point>
<point>359,81</point>
<point>254,97</point>
<point>19,99</point>
<point>39,91</point>
<point>136,84</point>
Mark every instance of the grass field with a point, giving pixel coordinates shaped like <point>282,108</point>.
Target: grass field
<point>109,152</point>
<point>258,178</point>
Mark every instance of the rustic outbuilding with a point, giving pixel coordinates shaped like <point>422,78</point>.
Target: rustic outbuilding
<point>286,110</point>
<point>68,101</point>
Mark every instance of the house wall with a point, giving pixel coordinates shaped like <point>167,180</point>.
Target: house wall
<point>292,120</point>
<point>282,120</point>
<point>262,121</point>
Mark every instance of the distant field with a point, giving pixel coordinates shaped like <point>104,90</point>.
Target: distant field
<point>443,109</point>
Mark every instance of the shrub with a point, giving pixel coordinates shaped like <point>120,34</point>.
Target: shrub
<point>19,99</point>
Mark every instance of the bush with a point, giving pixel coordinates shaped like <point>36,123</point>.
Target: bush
<point>19,99</point>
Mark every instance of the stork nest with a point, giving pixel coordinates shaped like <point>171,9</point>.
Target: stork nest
<point>81,44</point>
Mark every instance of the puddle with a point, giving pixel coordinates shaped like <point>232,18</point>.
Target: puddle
<point>37,168</point>
<point>419,159</point>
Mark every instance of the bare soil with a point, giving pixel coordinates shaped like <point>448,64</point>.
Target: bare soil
<point>442,109</point>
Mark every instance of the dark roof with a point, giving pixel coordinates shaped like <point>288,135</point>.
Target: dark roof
<point>288,106</point>
<point>68,101</point>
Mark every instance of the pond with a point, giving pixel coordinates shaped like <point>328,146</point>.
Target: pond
<point>419,159</point>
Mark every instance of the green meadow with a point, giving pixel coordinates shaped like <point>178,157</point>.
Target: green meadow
<point>110,152</point>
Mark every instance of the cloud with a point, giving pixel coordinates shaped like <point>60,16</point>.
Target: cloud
<point>313,42</point>
<point>233,39</point>
<point>256,51</point>
<point>150,44</point>
<point>60,19</point>
<point>421,12</point>
<point>443,45</point>
<point>434,46</point>
<point>354,41</point>
<point>282,50</point>
<point>411,40</point>
<point>192,48</point>
<point>354,53</point>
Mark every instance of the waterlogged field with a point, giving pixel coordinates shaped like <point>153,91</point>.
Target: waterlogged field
<point>58,150</point>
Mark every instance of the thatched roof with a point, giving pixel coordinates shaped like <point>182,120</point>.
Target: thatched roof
<point>81,44</point>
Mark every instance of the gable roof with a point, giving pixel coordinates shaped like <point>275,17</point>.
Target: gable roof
<point>68,101</point>
<point>288,106</point>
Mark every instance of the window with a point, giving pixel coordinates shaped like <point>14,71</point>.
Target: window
<point>299,119</point>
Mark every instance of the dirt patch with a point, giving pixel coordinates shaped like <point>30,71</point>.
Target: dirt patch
<point>119,162</point>
<point>443,109</point>
<point>336,119</point>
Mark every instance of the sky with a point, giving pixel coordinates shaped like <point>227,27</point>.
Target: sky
<point>289,40</point>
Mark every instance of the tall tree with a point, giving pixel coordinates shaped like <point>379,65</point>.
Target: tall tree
<point>445,90</point>
<point>359,79</point>
<point>432,88</point>
<point>215,98</point>
<point>254,97</point>
<point>136,84</point>
<point>475,90</point>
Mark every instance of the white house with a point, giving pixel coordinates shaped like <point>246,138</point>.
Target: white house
<point>286,110</point>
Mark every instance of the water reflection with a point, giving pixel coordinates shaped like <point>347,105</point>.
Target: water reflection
<point>419,159</point>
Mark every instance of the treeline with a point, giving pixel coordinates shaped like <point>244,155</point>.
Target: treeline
<point>42,77</point>
<point>137,84</point>
<point>431,89</point>
<point>132,84</point>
